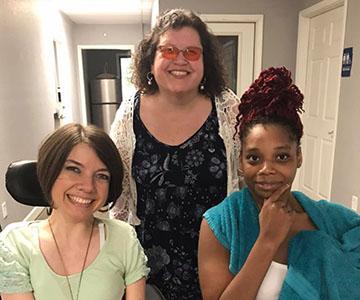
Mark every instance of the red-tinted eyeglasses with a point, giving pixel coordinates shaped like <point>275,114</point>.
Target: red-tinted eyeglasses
<point>171,52</point>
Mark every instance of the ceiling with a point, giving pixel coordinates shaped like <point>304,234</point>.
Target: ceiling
<point>106,11</point>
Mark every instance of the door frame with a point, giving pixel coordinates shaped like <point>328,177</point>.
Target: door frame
<point>257,20</point>
<point>303,45</point>
<point>83,109</point>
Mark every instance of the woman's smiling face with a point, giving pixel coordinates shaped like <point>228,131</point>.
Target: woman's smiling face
<point>269,160</point>
<point>179,75</point>
<point>83,184</point>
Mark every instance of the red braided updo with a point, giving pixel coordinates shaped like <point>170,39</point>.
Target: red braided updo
<point>271,99</point>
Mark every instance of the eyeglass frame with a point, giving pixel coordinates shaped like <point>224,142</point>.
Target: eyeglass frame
<point>177,51</point>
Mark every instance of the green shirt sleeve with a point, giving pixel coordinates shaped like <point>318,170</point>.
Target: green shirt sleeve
<point>15,245</point>
<point>135,262</point>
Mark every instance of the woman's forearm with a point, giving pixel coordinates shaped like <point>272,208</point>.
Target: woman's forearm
<point>246,283</point>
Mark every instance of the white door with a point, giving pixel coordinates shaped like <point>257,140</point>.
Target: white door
<point>237,40</point>
<point>321,93</point>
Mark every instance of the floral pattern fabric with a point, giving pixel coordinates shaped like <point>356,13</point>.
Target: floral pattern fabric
<point>122,133</point>
<point>175,186</point>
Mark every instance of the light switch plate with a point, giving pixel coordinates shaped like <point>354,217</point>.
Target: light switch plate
<point>4,210</point>
<point>355,203</point>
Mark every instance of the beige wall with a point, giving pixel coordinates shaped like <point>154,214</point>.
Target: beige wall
<point>279,48</point>
<point>346,179</point>
<point>27,72</point>
<point>124,34</point>
<point>27,83</point>
<point>280,23</point>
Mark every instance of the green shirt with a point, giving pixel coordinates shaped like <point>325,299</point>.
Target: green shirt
<point>23,268</point>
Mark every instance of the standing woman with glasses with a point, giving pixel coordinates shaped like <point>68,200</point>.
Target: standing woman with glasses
<point>176,140</point>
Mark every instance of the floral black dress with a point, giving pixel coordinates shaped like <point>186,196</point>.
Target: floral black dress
<point>175,186</point>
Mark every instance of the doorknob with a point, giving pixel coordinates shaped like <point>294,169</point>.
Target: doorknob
<point>331,132</point>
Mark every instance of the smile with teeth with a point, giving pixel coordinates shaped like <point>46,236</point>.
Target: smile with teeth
<point>179,73</point>
<point>80,200</point>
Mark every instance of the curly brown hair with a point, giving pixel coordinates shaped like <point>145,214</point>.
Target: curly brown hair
<point>271,99</point>
<point>214,72</point>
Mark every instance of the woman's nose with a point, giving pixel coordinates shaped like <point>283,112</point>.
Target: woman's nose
<point>180,58</point>
<point>267,168</point>
<point>86,184</point>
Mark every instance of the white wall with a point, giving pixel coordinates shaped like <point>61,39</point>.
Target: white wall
<point>346,179</point>
<point>27,83</point>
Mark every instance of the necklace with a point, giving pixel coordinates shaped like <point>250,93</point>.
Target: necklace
<point>63,264</point>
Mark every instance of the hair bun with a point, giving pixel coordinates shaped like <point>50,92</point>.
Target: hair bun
<point>272,95</point>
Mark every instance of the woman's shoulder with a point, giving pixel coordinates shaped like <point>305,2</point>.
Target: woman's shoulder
<point>114,223</point>
<point>118,227</point>
<point>235,199</point>
<point>17,246</point>
<point>124,114</point>
<point>229,97</point>
<point>326,205</point>
<point>227,92</point>
<point>229,209</point>
<point>122,245</point>
<point>128,104</point>
<point>332,217</point>
<point>19,231</point>
<point>19,239</point>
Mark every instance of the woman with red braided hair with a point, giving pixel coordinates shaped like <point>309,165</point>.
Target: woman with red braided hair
<point>264,241</point>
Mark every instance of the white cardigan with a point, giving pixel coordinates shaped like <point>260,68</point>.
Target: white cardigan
<point>122,133</point>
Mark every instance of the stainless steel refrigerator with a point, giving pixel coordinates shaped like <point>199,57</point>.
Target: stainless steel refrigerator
<point>105,96</point>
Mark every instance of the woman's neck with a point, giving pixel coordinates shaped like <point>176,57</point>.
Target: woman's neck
<point>70,229</point>
<point>292,203</point>
<point>186,99</point>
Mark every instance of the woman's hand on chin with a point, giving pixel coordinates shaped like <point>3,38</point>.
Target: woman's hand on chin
<point>276,217</point>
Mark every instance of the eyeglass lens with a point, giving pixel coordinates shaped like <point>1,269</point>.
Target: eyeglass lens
<point>171,52</point>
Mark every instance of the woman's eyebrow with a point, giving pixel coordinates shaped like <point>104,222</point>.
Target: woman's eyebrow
<point>285,147</point>
<point>74,162</point>
<point>81,165</point>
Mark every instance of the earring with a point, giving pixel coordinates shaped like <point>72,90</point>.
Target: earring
<point>150,78</point>
<point>202,84</point>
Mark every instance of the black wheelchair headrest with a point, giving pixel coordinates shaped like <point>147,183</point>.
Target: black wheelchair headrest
<point>22,183</point>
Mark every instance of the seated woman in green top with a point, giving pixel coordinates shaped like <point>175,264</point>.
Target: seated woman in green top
<point>73,255</point>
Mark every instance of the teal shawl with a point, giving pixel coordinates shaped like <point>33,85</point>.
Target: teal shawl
<point>322,264</point>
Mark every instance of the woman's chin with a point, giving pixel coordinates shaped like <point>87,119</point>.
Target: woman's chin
<point>264,194</point>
